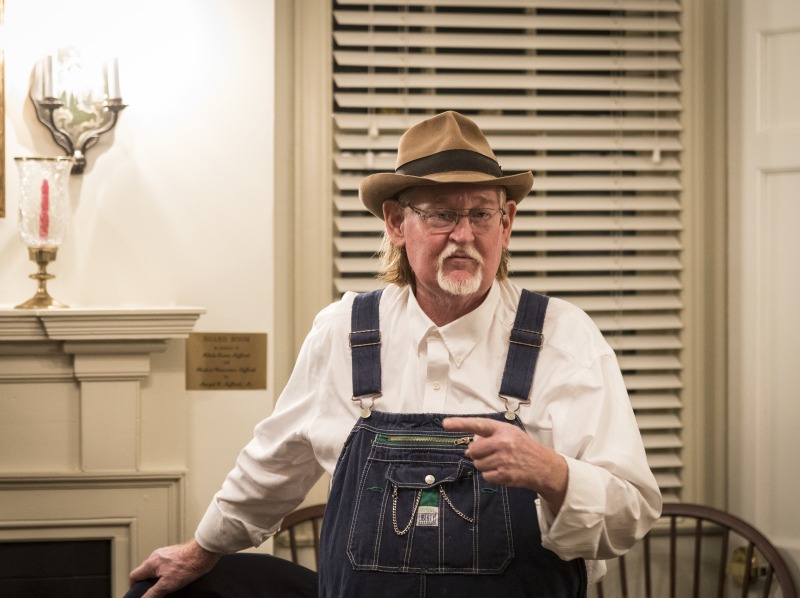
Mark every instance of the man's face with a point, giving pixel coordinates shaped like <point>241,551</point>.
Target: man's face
<point>462,261</point>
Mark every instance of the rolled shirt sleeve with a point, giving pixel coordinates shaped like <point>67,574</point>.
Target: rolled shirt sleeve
<point>612,497</point>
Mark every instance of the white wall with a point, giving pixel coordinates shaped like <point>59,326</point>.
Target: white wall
<point>176,204</point>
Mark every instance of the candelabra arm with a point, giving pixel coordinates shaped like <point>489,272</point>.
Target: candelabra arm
<point>75,148</point>
<point>114,106</point>
<point>45,112</point>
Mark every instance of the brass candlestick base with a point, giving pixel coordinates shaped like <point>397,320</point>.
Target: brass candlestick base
<point>42,299</point>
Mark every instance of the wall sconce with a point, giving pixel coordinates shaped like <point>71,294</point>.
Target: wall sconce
<point>76,101</point>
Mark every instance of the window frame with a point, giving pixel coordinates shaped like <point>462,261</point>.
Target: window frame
<point>309,233</point>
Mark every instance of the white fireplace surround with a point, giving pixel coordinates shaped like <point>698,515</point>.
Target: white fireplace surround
<point>92,436</point>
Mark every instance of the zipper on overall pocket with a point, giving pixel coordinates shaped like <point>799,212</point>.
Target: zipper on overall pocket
<point>421,439</point>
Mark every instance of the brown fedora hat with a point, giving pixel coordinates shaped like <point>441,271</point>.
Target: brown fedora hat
<point>446,148</point>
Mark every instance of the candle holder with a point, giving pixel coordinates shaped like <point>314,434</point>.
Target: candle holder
<point>76,100</point>
<point>43,218</point>
<point>42,299</point>
<point>52,113</point>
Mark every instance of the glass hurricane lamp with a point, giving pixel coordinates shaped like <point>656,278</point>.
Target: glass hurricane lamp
<point>43,218</point>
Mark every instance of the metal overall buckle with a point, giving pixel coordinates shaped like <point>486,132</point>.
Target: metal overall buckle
<point>511,414</point>
<point>366,411</point>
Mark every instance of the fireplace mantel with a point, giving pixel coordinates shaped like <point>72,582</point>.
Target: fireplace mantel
<point>93,427</point>
<point>105,355</point>
<point>84,324</point>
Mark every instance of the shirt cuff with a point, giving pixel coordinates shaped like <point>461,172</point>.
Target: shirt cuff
<point>573,531</point>
<point>224,535</point>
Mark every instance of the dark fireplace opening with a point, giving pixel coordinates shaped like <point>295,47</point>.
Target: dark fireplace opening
<point>63,569</point>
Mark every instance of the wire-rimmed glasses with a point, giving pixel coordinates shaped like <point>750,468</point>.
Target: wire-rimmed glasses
<point>444,220</point>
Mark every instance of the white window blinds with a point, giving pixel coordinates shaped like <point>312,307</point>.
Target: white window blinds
<point>584,93</point>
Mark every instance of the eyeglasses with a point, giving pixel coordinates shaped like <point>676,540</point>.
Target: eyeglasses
<point>444,220</point>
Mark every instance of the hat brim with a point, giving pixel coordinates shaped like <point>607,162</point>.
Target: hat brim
<point>377,188</point>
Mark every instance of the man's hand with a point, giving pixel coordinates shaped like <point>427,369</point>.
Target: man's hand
<point>507,455</point>
<point>175,566</point>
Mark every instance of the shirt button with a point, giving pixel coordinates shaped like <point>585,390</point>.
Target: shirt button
<point>429,479</point>
<point>436,386</point>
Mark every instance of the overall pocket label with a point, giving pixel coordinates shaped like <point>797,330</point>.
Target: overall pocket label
<point>428,516</point>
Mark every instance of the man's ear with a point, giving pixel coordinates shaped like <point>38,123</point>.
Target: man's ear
<point>394,216</point>
<point>508,222</point>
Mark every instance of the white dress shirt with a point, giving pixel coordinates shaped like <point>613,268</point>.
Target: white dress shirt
<point>579,406</point>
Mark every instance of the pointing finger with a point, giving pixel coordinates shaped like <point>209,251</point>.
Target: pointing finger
<point>476,425</point>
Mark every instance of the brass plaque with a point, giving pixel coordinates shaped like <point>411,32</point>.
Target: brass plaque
<point>226,361</point>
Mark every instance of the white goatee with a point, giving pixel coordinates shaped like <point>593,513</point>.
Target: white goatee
<point>462,287</point>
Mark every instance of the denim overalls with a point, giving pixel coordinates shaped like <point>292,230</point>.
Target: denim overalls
<point>410,516</point>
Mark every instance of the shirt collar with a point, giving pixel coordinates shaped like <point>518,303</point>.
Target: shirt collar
<point>461,336</point>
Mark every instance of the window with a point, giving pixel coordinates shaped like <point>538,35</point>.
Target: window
<point>587,95</point>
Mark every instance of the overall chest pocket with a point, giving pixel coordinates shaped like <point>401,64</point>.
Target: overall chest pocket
<point>424,508</point>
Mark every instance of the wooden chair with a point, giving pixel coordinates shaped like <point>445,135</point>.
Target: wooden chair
<point>699,551</point>
<point>301,528</point>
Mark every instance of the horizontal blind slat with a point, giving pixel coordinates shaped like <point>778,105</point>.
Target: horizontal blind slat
<point>669,460</point>
<point>645,342</point>
<point>569,243</point>
<point>515,21</point>
<point>582,203</point>
<point>551,264</point>
<point>663,421</point>
<point>552,285</point>
<point>651,381</point>
<point>511,62</point>
<point>560,286</point>
<point>521,101</point>
<point>592,243</point>
<point>580,264</point>
<point>651,401</point>
<point>526,82</point>
<point>588,183</point>
<point>627,303</point>
<point>650,361</point>
<point>399,121</point>
<point>638,322</point>
<point>658,440</point>
<point>525,223</point>
<point>386,144</point>
<point>413,39</point>
<point>572,163</point>
<point>667,480</point>
<point>615,5</point>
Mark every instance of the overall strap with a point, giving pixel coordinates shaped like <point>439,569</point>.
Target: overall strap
<point>523,350</point>
<point>365,345</point>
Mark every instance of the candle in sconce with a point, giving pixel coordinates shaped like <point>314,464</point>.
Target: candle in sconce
<point>112,74</point>
<point>44,214</point>
<point>47,77</point>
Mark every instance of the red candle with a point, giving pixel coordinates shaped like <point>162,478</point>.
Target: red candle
<point>44,215</point>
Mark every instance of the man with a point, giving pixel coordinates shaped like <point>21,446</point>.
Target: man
<point>456,470</point>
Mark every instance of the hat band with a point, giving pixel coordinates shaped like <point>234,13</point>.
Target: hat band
<point>449,161</point>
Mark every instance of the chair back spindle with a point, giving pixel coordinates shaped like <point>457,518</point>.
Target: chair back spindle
<point>678,558</point>
<point>292,523</point>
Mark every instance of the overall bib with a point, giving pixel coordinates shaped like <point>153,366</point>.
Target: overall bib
<point>410,516</point>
